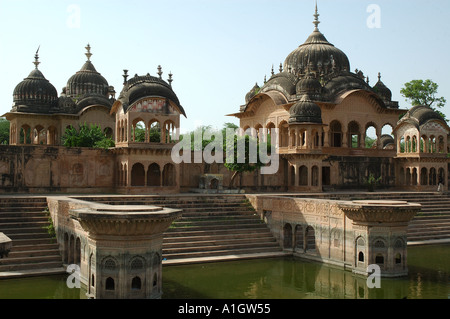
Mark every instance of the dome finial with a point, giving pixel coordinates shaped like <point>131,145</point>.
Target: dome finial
<point>36,58</point>
<point>379,76</point>
<point>88,53</point>
<point>316,19</point>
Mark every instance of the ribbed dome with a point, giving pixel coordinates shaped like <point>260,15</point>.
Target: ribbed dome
<point>147,86</point>
<point>424,114</point>
<point>305,111</point>
<point>35,94</point>
<point>283,82</point>
<point>382,90</point>
<point>317,55</point>
<point>308,85</point>
<point>255,90</point>
<point>87,81</point>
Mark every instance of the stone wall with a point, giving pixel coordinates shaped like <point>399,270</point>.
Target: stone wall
<point>38,169</point>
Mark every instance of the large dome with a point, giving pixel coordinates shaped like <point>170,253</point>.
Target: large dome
<point>87,81</point>
<point>316,55</point>
<point>35,94</point>
<point>139,87</point>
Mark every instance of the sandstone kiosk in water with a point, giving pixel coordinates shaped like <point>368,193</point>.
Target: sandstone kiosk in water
<point>380,229</point>
<point>124,245</point>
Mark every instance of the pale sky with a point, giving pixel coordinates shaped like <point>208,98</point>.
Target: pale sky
<point>218,49</point>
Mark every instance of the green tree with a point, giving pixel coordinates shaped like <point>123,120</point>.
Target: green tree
<point>4,131</point>
<point>86,136</point>
<point>247,165</point>
<point>420,92</point>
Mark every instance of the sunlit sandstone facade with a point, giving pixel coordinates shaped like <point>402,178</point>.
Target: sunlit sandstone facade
<point>321,111</point>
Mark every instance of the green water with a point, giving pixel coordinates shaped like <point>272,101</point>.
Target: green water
<point>280,278</point>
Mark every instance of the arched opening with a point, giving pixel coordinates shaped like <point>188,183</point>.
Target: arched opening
<point>303,176</point>
<point>154,132</point>
<point>423,176</point>
<point>398,258</point>
<point>441,176</point>
<point>287,236</point>
<point>139,131</point>
<point>361,256</point>
<point>138,175</point>
<point>109,284</point>
<point>154,175</point>
<point>25,134</point>
<point>39,135</point>
<point>335,134</point>
<point>432,177</point>
<point>315,176</point>
<point>292,175</point>
<point>354,135</point>
<point>299,238</point>
<point>310,238</point>
<point>71,249</point>
<point>136,283</point>
<point>78,251</point>
<point>155,280</point>
<point>379,259</point>
<point>169,175</point>
<point>52,138</point>
<point>370,136</point>
<point>441,145</point>
<point>284,134</point>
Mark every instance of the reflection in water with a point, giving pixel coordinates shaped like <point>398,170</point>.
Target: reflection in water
<point>286,278</point>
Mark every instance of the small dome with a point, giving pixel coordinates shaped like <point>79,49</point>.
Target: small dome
<point>305,111</point>
<point>382,90</point>
<point>283,82</point>
<point>87,81</point>
<point>35,94</point>
<point>255,90</point>
<point>424,114</point>
<point>142,86</point>
<point>308,85</point>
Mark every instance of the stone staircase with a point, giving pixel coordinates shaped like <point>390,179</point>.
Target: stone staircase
<point>23,219</point>
<point>211,226</point>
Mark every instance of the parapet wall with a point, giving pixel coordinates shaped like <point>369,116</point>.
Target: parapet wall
<point>349,234</point>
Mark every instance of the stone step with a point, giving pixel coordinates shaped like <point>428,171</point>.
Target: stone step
<point>21,214</point>
<point>23,224</point>
<point>216,232</point>
<point>198,222</point>
<point>29,260</point>
<point>31,218</point>
<point>31,235</point>
<point>232,242</point>
<point>26,246</point>
<point>33,253</point>
<point>219,246</point>
<point>24,230</point>
<point>28,266</point>
<point>194,228</point>
<point>45,240</point>
<point>192,240</point>
<point>223,252</point>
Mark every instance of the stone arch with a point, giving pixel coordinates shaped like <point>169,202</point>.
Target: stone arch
<point>315,176</point>
<point>284,134</point>
<point>66,248</point>
<point>335,134</point>
<point>136,283</point>
<point>354,135</point>
<point>169,132</point>
<point>77,257</point>
<point>110,284</point>
<point>138,175</point>
<point>370,135</point>
<point>154,131</point>
<point>287,236</point>
<point>169,178</point>
<point>424,176</point>
<point>299,242</point>
<point>292,175</point>
<point>154,175</point>
<point>139,130</point>
<point>310,238</point>
<point>303,176</point>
